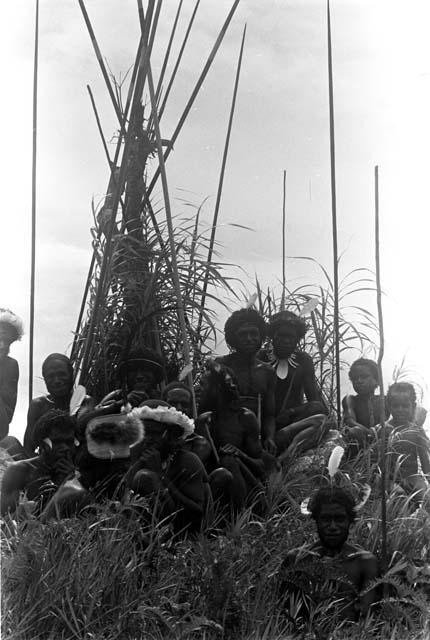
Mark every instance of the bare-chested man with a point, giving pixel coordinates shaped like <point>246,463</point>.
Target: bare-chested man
<point>244,333</point>
<point>11,329</point>
<point>332,572</point>
<point>57,372</point>
<point>40,476</point>
<point>235,435</point>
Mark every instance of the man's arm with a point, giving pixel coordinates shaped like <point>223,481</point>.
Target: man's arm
<point>186,488</point>
<point>310,386</point>
<point>423,450</point>
<point>268,426</point>
<point>34,413</point>
<point>8,393</point>
<point>349,416</point>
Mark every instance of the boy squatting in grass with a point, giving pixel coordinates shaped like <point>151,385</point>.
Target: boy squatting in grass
<point>407,442</point>
<point>331,572</point>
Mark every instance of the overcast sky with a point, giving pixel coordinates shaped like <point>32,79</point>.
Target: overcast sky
<point>381,57</point>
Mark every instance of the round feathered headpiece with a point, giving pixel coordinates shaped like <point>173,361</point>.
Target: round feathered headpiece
<point>166,415</point>
<point>111,436</point>
<point>13,321</point>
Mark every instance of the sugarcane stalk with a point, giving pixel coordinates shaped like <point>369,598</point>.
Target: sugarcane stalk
<point>334,220</point>
<point>33,207</point>
<point>284,195</point>
<point>175,273</point>
<point>221,183</point>
<point>382,460</point>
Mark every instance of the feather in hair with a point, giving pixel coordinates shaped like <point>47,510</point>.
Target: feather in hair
<point>308,307</point>
<point>77,399</point>
<point>251,301</point>
<point>334,461</point>
<point>364,497</point>
<point>185,371</point>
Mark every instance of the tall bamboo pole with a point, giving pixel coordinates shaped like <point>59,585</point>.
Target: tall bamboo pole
<point>175,273</point>
<point>33,206</point>
<point>221,183</point>
<point>284,197</point>
<point>382,460</point>
<point>334,219</point>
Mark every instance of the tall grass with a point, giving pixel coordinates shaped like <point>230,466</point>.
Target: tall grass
<point>114,574</point>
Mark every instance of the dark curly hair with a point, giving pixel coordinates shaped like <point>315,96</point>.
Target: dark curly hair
<point>175,385</point>
<point>290,319</point>
<point>402,387</point>
<point>238,319</point>
<point>50,420</point>
<point>332,495</point>
<point>365,362</point>
<point>59,357</point>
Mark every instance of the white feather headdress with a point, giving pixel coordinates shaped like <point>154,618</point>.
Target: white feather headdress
<point>166,415</point>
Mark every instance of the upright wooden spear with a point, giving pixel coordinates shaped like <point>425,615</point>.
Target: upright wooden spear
<point>382,451</point>
<point>284,196</point>
<point>33,206</point>
<point>221,183</point>
<point>334,219</point>
<point>175,273</point>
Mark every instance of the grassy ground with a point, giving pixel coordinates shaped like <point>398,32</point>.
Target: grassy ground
<point>115,575</point>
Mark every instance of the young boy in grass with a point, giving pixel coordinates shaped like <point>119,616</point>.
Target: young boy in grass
<point>331,573</point>
<point>407,443</point>
<point>40,476</point>
<point>361,412</point>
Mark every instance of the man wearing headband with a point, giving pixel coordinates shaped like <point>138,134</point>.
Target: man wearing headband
<point>332,572</point>
<point>40,476</point>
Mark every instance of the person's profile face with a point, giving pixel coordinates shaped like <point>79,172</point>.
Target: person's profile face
<point>363,381</point>
<point>284,341</point>
<point>333,525</point>
<point>58,379</point>
<point>248,339</point>
<point>7,336</point>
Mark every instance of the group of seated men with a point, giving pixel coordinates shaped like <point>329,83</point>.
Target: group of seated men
<point>255,411</point>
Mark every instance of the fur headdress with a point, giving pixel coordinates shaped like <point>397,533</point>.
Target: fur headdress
<point>166,415</point>
<point>336,480</point>
<point>10,318</point>
<point>111,436</point>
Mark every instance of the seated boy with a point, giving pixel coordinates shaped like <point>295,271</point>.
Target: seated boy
<point>40,476</point>
<point>407,442</point>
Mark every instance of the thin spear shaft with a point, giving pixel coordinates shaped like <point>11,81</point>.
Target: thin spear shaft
<point>178,61</point>
<point>221,183</point>
<point>334,218</point>
<point>194,93</point>
<point>284,196</point>
<point>167,54</point>
<point>382,461</point>
<point>100,59</point>
<point>33,206</point>
<point>175,274</point>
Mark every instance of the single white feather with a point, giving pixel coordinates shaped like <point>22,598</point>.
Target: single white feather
<point>185,371</point>
<point>309,306</point>
<point>304,507</point>
<point>334,460</point>
<point>77,399</point>
<point>251,301</point>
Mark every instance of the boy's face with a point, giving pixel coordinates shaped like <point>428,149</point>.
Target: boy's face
<point>402,408</point>
<point>62,444</point>
<point>140,378</point>
<point>333,524</point>
<point>7,336</point>
<point>363,381</point>
<point>181,400</point>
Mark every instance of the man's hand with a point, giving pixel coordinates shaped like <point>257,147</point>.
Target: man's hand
<point>231,450</point>
<point>270,446</point>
